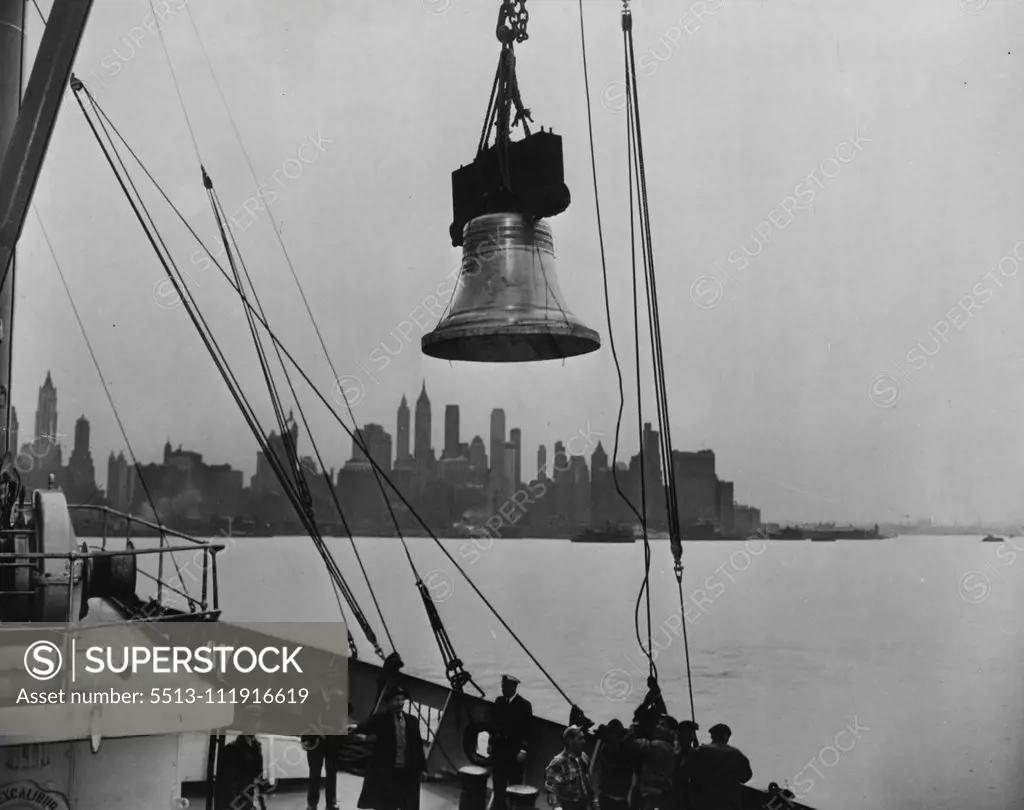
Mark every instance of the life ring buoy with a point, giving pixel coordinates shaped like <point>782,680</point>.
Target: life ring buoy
<point>470,743</point>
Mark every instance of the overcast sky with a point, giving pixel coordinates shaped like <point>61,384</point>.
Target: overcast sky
<point>831,186</point>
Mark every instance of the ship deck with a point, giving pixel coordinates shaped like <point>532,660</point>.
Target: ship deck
<point>291,795</point>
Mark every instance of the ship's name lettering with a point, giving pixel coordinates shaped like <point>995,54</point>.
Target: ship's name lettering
<point>25,793</point>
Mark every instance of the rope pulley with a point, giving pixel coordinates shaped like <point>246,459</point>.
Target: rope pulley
<point>512,20</point>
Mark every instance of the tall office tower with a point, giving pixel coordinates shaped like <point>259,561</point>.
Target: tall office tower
<point>402,436</point>
<point>515,437</point>
<point>451,432</point>
<point>497,438</point>
<point>422,449</point>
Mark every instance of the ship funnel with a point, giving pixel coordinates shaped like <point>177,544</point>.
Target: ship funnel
<point>507,306</point>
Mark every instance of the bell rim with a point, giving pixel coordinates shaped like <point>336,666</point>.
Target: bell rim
<point>573,340</point>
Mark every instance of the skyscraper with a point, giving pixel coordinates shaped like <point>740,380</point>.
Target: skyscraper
<point>509,466</point>
<point>46,410</point>
<point>452,448</point>
<point>377,441</point>
<point>402,434</point>
<point>81,471</point>
<point>497,439</point>
<point>478,454</point>
<point>422,449</point>
<point>515,438</point>
<point>542,462</point>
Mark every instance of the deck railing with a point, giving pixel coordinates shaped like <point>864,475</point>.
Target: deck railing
<point>203,556</point>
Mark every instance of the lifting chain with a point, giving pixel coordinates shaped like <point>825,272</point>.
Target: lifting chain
<point>512,19</point>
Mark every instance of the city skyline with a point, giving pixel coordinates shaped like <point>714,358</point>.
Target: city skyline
<point>815,352</point>
<point>83,473</point>
<point>188,488</point>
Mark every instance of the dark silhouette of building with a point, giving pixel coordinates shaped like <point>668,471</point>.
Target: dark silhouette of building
<point>452,448</point>
<point>515,438</point>
<point>478,458</point>
<point>377,441</point>
<point>402,433</point>
<point>46,409</point>
<point>542,463</point>
<point>119,482</point>
<point>423,451</point>
<point>724,507</point>
<point>696,485</point>
<point>497,435</point>
<point>654,483</point>
<point>602,487</point>
<point>265,482</point>
<point>747,520</point>
<point>42,456</point>
<point>81,475</point>
<point>580,500</point>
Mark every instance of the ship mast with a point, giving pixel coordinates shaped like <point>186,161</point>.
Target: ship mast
<point>12,47</point>
<point>25,129</point>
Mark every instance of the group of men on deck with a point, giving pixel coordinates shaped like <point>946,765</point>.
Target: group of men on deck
<point>656,764</point>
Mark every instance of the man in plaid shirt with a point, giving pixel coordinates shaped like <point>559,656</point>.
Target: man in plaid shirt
<point>567,777</point>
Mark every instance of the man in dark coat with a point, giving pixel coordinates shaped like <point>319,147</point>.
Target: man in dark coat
<point>240,775</point>
<point>613,765</point>
<point>322,757</point>
<point>717,771</point>
<point>392,781</point>
<point>509,738</point>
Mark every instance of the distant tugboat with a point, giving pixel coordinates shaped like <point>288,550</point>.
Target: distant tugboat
<point>991,538</point>
<point>610,533</point>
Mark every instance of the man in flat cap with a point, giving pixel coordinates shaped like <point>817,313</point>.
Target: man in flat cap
<point>717,771</point>
<point>509,738</point>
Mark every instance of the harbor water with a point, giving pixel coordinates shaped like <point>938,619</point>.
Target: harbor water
<point>869,674</point>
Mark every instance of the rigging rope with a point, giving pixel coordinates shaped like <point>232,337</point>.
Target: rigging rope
<point>511,28</point>
<point>635,141</point>
<point>615,357</point>
<point>106,390</point>
<point>203,328</point>
<point>645,585</point>
<point>305,301</point>
<point>306,501</point>
<point>453,665</point>
<point>298,368</point>
<point>174,79</point>
<point>305,497</point>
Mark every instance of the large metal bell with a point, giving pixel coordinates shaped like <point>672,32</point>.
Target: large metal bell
<point>507,306</point>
